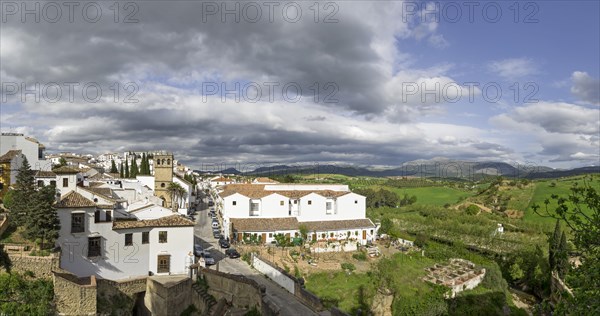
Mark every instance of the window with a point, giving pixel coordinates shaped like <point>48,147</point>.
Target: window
<point>94,248</point>
<point>290,212</point>
<point>331,235</point>
<point>77,225</point>
<point>309,202</point>
<point>108,216</point>
<point>234,203</point>
<point>53,183</point>
<point>295,201</point>
<point>129,239</point>
<point>1,185</point>
<point>162,237</point>
<point>96,216</point>
<point>158,162</point>
<point>254,209</point>
<point>328,207</point>
<point>356,233</point>
<point>65,182</point>
<point>281,203</point>
<point>355,201</point>
<point>371,232</point>
<point>40,183</point>
<point>323,235</point>
<point>162,185</point>
<point>270,235</point>
<point>145,237</point>
<point>164,264</point>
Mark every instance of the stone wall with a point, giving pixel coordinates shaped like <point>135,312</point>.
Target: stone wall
<point>237,290</point>
<point>168,297</point>
<point>74,296</point>
<point>288,282</point>
<point>41,267</point>
<point>118,297</point>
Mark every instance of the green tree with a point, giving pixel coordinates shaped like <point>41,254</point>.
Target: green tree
<point>580,210</point>
<point>134,168</point>
<point>62,162</point>
<point>303,231</point>
<point>472,209</point>
<point>113,167</point>
<point>20,296</point>
<point>386,226</point>
<point>42,221</point>
<point>126,169</point>
<point>24,188</point>
<point>562,257</point>
<point>553,245</point>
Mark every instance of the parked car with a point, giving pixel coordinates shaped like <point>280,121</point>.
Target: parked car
<point>232,253</point>
<point>198,250</point>
<point>224,243</point>
<point>211,203</point>
<point>215,224</point>
<point>208,259</point>
<point>217,234</point>
<point>191,217</point>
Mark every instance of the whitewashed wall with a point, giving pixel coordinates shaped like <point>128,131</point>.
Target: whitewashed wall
<point>273,274</point>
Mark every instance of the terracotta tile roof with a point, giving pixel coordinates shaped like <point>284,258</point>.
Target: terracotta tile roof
<point>257,191</point>
<point>45,174</point>
<point>9,155</point>
<point>291,223</point>
<point>167,221</point>
<point>339,225</point>
<point>221,179</point>
<point>265,180</point>
<point>106,193</point>
<point>65,170</point>
<point>264,224</point>
<point>74,199</point>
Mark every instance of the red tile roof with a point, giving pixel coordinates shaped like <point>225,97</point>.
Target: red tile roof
<point>167,221</point>
<point>74,199</point>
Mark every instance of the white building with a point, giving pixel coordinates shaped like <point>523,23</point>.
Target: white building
<point>30,147</point>
<point>98,236</point>
<point>329,212</point>
<point>220,181</point>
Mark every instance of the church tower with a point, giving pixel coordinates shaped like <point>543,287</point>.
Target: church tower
<point>163,176</point>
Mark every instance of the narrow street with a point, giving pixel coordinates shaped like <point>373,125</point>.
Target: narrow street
<point>288,304</point>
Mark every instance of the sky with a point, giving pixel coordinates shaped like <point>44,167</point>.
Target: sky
<point>373,83</point>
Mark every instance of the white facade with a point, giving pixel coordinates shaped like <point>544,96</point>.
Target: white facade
<point>33,150</point>
<point>335,206</point>
<point>119,258</point>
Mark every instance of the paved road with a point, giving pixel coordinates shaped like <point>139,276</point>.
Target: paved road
<point>287,303</point>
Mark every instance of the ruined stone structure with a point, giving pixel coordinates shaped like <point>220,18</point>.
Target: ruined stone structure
<point>459,275</point>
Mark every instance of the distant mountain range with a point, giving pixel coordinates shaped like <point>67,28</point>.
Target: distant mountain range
<point>433,168</point>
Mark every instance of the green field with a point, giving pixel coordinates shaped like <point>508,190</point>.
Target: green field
<point>438,196</point>
<point>544,189</point>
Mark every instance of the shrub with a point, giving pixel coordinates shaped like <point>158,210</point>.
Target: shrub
<point>348,266</point>
<point>472,209</point>
<point>360,256</point>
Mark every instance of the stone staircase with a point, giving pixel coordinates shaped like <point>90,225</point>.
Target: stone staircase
<point>209,301</point>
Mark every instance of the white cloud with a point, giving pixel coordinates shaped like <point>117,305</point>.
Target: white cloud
<point>585,87</point>
<point>513,68</point>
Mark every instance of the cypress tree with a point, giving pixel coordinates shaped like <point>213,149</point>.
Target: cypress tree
<point>42,221</point>
<point>121,172</point>
<point>113,167</point>
<point>562,257</point>
<point>143,164</point>
<point>554,245</point>
<point>134,168</point>
<point>24,190</point>
<point>126,169</point>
